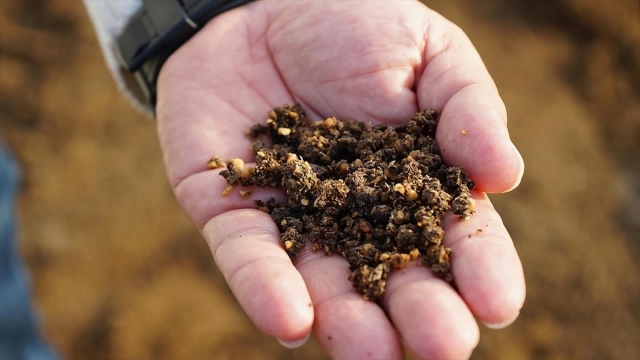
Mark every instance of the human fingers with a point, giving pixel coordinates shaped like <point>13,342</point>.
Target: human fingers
<point>270,290</point>
<point>485,264</point>
<point>472,132</point>
<point>489,279</point>
<point>430,316</point>
<point>346,325</point>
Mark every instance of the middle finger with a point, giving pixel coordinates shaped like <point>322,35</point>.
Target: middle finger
<point>346,325</point>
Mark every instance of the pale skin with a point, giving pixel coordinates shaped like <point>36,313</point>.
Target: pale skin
<point>373,61</point>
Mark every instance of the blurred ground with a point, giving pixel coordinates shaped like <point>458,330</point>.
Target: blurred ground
<point>120,273</point>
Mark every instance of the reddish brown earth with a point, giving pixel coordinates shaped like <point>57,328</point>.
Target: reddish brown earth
<point>119,272</point>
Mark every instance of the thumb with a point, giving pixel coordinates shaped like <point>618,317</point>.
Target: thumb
<point>473,135</point>
<point>472,132</point>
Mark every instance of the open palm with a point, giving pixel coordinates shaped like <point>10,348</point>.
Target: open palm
<point>371,61</point>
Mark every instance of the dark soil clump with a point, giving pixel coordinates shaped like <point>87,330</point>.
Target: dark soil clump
<point>375,194</point>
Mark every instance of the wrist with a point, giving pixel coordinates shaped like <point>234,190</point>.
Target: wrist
<point>156,31</point>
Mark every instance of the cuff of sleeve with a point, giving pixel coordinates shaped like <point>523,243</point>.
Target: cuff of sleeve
<point>109,19</point>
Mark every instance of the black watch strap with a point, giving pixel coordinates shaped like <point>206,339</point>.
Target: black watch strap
<point>157,30</point>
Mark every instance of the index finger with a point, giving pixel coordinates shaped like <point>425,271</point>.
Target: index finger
<point>244,244</point>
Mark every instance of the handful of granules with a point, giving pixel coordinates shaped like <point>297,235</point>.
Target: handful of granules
<point>374,194</point>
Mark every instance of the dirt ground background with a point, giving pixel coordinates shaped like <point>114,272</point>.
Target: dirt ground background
<point>120,273</point>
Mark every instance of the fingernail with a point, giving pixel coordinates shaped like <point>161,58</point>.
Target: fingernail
<point>296,343</point>
<point>521,166</point>
<point>502,325</point>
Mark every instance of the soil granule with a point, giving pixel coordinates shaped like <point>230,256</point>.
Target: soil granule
<point>374,194</point>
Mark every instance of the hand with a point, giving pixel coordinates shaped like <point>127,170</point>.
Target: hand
<point>371,61</point>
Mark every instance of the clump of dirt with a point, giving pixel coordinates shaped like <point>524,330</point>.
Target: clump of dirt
<point>375,194</point>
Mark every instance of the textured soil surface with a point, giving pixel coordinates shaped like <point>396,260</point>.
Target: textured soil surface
<point>377,195</point>
<point>120,273</point>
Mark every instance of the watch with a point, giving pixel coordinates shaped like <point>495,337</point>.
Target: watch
<point>157,30</point>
